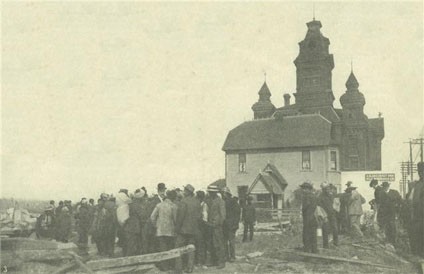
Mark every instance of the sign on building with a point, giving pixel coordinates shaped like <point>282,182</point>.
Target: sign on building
<point>389,177</point>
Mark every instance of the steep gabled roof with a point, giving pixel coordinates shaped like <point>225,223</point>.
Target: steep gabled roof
<point>272,179</point>
<point>287,132</point>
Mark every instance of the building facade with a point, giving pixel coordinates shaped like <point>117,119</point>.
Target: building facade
<point>309,139</point>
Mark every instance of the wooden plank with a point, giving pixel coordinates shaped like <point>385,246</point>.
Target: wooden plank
<point>26,244</point>
<point>140,259</point>
<point>67,267</point>
<point>42,255</point>
<point>128,269</point>
<point>336,259</point>
<point>80,263</point>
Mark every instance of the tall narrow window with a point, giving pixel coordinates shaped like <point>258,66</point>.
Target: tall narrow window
<point>333,160</point>
<point>306,160</point>
<point>242,162</point>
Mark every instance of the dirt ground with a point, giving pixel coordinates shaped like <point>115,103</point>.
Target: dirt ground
<point>274,260</point>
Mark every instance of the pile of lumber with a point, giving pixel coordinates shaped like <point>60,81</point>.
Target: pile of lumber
<point>15,251</point>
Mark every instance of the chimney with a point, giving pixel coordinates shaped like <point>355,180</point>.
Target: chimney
<point>286,99</point>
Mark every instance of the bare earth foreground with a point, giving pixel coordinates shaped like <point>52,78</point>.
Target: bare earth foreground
<point>274,254</point>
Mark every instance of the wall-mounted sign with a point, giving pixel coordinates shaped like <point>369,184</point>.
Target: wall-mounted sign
<point>389,177</point>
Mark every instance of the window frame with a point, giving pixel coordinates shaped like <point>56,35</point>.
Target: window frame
<point>333,152</point>
<point>242,164</point>
<point>303,161</point>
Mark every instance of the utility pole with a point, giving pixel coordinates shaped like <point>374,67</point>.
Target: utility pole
<point>404,168</point>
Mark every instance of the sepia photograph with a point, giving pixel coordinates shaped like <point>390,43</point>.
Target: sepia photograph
<point>212,137</point>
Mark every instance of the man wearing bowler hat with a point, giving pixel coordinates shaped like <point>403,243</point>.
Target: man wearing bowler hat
<point>389,208</point>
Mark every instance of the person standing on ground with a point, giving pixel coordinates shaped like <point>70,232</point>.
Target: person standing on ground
<point>203,241</point>
<point>378,192</point>
<point>310,224</point>
<point>133,226</point>
<point>187,228</point>
<point>216,219</point>
<point>355,211</point>
<point>326,200</point>
<point>231,224</point>
<point>84,223</point>
<point>343,217</point>
<point>164,217</point>
<point>249,219</point>
<point>63,225</point>
<point>111,224</point>
<point>416,226</point>
<point>389,207</point>
<point>149,231</point>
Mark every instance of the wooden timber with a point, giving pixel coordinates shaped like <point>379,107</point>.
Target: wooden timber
<point>26,244</point>
<point>127,269</point>
<point>81,263</point>
<point>140,259</point>
<point>335,259</point>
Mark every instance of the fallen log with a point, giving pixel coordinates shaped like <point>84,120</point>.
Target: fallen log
<point>80,263</point>
<point>336,259</point>
<point>127,269</point>
<point>42,255</point>
<point>140,259</point>
<point>26,244</point>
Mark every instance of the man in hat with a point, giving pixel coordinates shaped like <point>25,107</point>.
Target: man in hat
<point>390,202</point>
<point>216,219</point>
<point>231,224</point>
<point>325,200</point>
<point>203,242</point>
<point>149,230</point>
<point>249,218</point>
<point>356,201</point>
<point>343,216</point>
<point>416,226</point>
<point>310,224</point>
<point>187,228</point>
<point>378,193</point>
<point>164,217</point>
<point>84,223</point>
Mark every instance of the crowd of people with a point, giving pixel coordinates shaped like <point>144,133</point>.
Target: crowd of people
<point>329,212</point>
<point>147,224</point>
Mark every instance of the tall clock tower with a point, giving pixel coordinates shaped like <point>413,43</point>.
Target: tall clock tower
<point>313,70</point>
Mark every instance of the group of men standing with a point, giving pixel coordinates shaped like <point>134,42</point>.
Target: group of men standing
<point>325,209</point>
<point>143,224</point>
<point>341,213</point>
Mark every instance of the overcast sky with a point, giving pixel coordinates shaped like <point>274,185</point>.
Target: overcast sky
<point>100,96</point>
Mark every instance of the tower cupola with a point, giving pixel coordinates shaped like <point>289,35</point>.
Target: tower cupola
<point>263,108</point>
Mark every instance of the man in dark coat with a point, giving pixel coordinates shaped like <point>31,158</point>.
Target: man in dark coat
<point>390,202</point>
<point>416,226</point>
<point>216,219</point>
<point>343,216</point>
<point>378,193</point>
<point>203,242</point>
<point>310,224</point>
<point>63,225</point>
<point>84,223</point>
<point>249,219</point>
<point>148,230</point>
<point>325,200</point>
<point>231,224</point>
<point>187,227</point>
<point>111,225</point>
<point>134,224</point>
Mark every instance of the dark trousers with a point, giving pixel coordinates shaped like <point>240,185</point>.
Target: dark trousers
<point>166,243</point>
<point>230,244</point>
<point>416,237</point>
<point>83,240</point>
<point>330,227</point>
<point>183,240</point>
<point>149,240</point>
<point>389,225</point>
<point>203,243</point>
<point>248,228</point>
<point>310,237</point>
<point>218,250</point>
<point>134,242</point>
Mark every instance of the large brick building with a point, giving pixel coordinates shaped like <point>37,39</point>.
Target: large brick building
<point>309,139</point>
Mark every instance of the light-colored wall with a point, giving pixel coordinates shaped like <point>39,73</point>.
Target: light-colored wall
<point>289,163</point>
